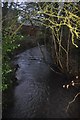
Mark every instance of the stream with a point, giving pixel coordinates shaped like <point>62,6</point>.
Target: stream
<point>39,92</point>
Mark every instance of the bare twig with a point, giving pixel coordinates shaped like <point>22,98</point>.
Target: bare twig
<point>72,101</point>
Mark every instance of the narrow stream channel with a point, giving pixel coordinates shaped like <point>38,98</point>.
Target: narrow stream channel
<point>39,93</point>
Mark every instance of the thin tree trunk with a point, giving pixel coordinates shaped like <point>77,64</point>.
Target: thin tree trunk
<point>55,46</point>
<point>67,61</point>
<point>60,48</point>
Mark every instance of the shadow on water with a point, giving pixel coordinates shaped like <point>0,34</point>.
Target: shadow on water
<point>39,93</point>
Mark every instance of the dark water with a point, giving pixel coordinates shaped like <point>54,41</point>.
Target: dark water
<point>39,93</point>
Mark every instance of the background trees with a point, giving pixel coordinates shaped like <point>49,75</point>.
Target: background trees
<point>59,26</point>
<point>65,30</point>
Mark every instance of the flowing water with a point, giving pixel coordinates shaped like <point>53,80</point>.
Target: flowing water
<point>39,92</point>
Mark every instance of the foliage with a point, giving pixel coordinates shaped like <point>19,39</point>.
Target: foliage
<point>7,71</point>
<point>65,27</point>
<point>62,20</point>
<point>9,45</point>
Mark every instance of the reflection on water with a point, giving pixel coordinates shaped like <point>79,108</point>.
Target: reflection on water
<point>39,93</point>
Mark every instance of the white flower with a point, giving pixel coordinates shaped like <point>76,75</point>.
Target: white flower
<point>73,84</point>
<point>67,86</point>
<point>63,86</point>
<point>72,81</point>
<point>76,77</point>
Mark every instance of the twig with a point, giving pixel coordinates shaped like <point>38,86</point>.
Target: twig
<point>72,101</point>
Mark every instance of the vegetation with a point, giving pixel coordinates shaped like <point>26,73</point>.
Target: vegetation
<point>60,21</point>
<point>65,30</point>
<point>9,43</point>
<point>60,24</point>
